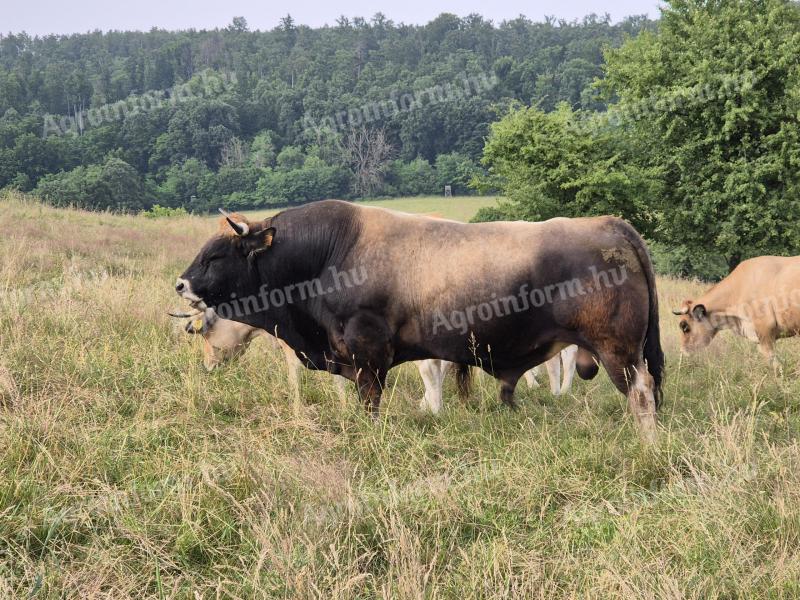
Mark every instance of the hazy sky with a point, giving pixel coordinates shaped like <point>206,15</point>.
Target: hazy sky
<point>60,16</point>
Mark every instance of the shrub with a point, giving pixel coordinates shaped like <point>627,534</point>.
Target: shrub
<point>113,185</point>
<point>158,211</point>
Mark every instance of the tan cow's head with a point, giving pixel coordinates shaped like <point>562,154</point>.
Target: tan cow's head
<point>224,340</point>
<point>697,329</point>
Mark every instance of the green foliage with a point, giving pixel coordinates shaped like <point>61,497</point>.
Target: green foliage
<point>114,185</point>
<point>566,163</point>
<point>157,211</point>
<point>231,187</point>
<point>315,180</point>
<point>713,95</point>
<point>414,178</point>
<point>701,150</point>
<point>182,184</point>
<point>268,91</point>
<point>456,170</point>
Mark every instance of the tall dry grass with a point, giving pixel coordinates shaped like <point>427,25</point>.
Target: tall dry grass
<point>127,471</point>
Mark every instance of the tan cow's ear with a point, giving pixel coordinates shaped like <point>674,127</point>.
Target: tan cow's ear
<point>196,326</point>
<point>699,312</point>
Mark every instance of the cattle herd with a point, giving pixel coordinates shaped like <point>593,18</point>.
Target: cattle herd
<point>354,291</point>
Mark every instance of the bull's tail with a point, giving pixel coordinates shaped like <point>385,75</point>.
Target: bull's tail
<point>463,381</point>
<point>653,354</point>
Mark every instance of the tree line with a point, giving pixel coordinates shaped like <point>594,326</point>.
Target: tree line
<point>247,119</point>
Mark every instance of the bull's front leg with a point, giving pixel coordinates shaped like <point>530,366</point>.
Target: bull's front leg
<point>367,343</point>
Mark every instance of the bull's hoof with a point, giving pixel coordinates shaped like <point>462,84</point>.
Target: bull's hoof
<point>511,403</point>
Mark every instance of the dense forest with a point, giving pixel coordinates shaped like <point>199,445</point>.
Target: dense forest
<point>240,118</point>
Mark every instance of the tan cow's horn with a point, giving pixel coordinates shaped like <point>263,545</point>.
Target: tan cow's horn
<point>183,315</point>
<point>682,311</point>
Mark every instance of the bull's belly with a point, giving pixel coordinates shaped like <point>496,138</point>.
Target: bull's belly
<point>518,343</point>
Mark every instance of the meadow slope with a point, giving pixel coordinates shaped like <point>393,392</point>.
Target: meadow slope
<point>127,471</point>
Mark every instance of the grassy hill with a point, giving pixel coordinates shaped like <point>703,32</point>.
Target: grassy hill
<point>126,470</point>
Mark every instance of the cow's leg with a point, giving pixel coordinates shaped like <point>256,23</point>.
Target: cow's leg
<point>530,377</point>
<point>367,341</point>
<point>293,367</point>
<point>341,388</point>
<point>632,378</point>
<point>568,358</point>
<point>767,348</point>
<point>432,372</point>
<point>554,374</point>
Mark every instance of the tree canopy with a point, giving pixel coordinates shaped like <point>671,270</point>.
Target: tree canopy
<point>186,108</point>
<point>699,145</point>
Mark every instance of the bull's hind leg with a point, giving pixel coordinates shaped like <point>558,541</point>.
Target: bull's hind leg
<point>632,378</point>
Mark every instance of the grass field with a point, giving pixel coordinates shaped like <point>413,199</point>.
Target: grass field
<point>460,208</point>
<point>127,471</point>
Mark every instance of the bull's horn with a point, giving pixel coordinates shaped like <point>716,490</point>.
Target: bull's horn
<point>241,229</point>
<point>183,315</point>
<point>680,312</point>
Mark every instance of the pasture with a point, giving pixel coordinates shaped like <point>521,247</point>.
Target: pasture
<point>459,208</point>
<point>127,470</point>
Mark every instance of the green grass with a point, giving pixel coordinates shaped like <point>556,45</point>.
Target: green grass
<point>460,208</point>
<point>127,471</point>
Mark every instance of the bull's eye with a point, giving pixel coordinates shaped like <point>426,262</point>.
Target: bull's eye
<point>684,327</point>
<point>210,259</point>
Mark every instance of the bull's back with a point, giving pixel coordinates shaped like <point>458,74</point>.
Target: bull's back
<point>427,260</point>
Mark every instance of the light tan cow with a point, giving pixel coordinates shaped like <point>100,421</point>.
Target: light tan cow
<point>759,300</point>
<point>225,340</point>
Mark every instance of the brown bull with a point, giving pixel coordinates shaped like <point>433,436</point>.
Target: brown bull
<point>501,296</point>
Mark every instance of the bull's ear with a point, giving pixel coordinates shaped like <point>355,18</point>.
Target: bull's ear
<point>259,241</point>
<point>267,236</point>
<point>699,312</point>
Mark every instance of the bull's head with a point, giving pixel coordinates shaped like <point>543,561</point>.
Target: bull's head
<point>697,329</point>
<point>224,268</point>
